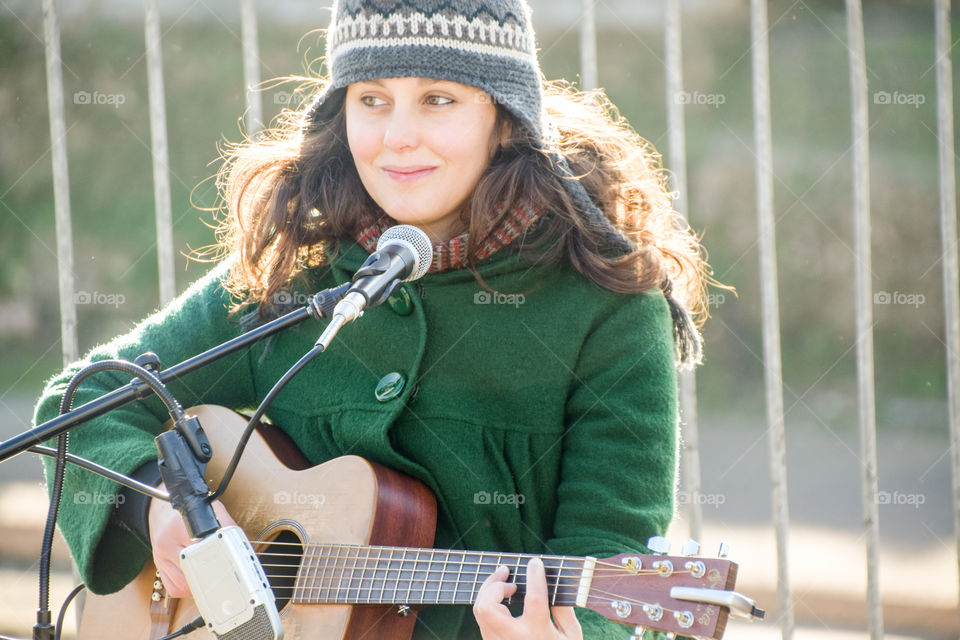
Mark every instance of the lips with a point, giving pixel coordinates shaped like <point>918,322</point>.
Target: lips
<point>407,174</point>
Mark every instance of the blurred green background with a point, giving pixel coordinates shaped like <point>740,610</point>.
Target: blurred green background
<point>111,196</point>
<point>111,184</point>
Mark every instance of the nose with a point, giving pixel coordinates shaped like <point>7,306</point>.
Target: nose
<point>402,130</point>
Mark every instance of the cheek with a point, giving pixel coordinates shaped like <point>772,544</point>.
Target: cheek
<point>469,146</point>
<point>362,141</point>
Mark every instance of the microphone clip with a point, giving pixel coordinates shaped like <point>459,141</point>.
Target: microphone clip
<point>375,267</point>
<point>184,452</point>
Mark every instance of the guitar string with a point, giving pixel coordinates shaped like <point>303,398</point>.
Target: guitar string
<point>605,573</point>
<point>381,564</point>
<point>312,546</point>
<point>377,563</point>
<point>435,575</point>
<point>596,594</point>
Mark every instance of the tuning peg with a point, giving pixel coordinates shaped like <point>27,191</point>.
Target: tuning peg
<point>637,633</point>
<point>690,548</point>
<point>724,550</point>
<point>659,545</point>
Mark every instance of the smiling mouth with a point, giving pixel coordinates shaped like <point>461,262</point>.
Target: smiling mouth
<point>408,175</point>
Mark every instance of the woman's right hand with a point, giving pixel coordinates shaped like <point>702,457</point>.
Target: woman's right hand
<point>168,537</point>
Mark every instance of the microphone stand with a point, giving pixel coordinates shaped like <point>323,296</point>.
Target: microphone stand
<point>320,306</point>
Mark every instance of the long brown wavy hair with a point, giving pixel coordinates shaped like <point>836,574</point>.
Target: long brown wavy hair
<point>294,192</point>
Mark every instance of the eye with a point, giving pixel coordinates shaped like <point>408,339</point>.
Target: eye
<point>372,101</point>
<point>435,100</point>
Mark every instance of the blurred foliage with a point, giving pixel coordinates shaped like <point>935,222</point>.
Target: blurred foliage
<point>112,188</point>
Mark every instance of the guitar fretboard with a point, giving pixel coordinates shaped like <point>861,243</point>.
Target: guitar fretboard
<point>354,574</point>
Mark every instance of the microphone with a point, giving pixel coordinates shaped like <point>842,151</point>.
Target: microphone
<point>229,587</point>
<point>403,254</point>
<point>226,580</point>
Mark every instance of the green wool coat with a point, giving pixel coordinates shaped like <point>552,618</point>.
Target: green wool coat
<point>552,388</point>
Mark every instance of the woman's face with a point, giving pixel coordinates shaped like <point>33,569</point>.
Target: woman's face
<point>420,146</point>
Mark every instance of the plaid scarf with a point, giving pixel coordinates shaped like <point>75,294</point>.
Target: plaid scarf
<point>452,254</point>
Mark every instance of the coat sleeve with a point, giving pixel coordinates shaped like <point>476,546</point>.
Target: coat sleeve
<point>109,556</point>
<point>619,464</point>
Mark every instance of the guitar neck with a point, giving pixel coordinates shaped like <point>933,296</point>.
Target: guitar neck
<point>355,574</point>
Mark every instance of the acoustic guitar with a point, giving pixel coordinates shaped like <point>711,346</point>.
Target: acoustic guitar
<point>345,545</point>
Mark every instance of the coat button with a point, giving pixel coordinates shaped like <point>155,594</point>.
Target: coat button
<point>400,302</point>
<point>390,386</point>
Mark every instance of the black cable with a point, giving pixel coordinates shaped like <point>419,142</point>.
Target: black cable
<point>43,630</point>
<point>255,419</point>
<point>63,608</point>
<point>193,625</point>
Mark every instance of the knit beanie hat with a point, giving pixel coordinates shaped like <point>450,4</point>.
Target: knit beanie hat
<point>487,44</point>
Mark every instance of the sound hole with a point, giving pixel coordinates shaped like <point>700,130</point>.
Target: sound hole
<point>280,559</point>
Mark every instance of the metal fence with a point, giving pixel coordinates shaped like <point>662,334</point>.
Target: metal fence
<point>759,52</point>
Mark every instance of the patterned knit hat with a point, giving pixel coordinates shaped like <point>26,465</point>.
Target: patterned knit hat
<point>487,44</point>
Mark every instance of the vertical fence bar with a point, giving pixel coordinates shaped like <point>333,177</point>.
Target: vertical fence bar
<point>251,68</point>
<point>158,145</point>
<point>864,311</point>
<point>769,294</point>
<point>676,131</point>
<point>61,183</point>
<point>948,232</point>
<point>588,46</point>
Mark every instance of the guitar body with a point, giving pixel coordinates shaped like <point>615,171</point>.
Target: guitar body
<point>344,501</point>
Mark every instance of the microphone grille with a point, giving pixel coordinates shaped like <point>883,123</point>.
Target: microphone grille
<point>417,240</point>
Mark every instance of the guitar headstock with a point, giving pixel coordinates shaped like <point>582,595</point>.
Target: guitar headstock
<point>685,594</point>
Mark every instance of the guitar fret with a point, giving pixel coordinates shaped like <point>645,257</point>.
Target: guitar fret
<point>396,583</point>
<point>456,586</point>
<point>353,576</point>
<point>316,577</point>
<point>375,579</point>
<point>413,574</point>
<point>341,567</point>
<point>426,578</point>
<point>309,573</point>
<point>556,583</point>
<point>516,581</point>
<point>363,571</point>
<point>386,576</point>
<point>443,575</point>
<point>316,581</point>
<point>329,563</point>
<point>475,588</point>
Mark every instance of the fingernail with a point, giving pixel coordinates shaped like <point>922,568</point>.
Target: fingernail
<point>536,561</point>
<point>505,568</point>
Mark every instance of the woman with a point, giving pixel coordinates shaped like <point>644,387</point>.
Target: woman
<point>535,361</point>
